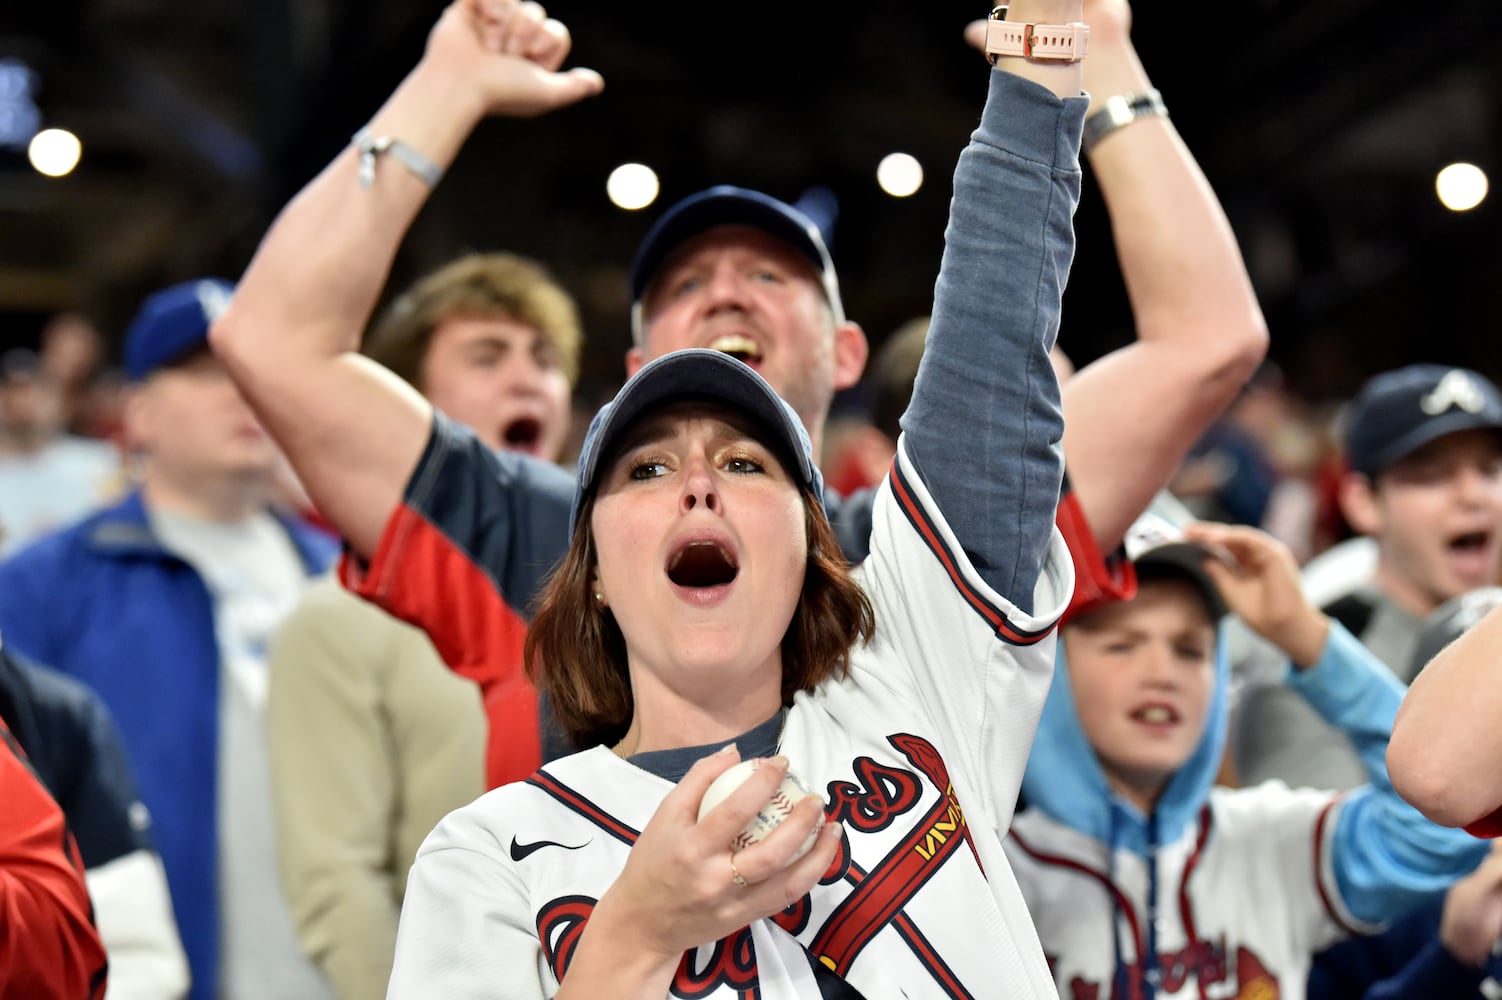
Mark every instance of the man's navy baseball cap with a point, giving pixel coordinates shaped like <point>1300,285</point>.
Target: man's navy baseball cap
<point>1398,412</point>
<point>696,374</point>
<point>172,324</point>
<point>726,205</point>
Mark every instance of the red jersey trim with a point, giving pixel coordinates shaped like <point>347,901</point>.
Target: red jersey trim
<point>1097,579</point>
<point>1487,827</point>
<point>421,577</point>
<point>1319,866</point>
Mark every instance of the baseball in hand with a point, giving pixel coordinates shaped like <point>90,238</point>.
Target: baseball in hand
<point>776,809</point>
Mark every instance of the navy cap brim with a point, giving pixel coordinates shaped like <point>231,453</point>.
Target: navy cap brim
<point>695,374</point>
<point>721,206</point>
<point>1427,432</point>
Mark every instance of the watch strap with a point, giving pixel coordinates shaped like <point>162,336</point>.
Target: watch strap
<point>1120,110</point>
<point>1049,42</point>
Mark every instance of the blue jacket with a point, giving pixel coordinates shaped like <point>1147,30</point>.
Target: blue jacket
<point>1407,960</point>
<point>104,602</point>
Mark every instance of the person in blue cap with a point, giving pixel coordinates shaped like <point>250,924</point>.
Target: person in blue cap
<point>165,603</point>
<point>1424,445</point>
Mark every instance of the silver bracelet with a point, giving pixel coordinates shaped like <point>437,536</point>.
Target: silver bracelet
<point>1120,110</point>
<point>371,146</point>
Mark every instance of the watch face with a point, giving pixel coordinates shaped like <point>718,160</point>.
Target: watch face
<point>1121,110</point>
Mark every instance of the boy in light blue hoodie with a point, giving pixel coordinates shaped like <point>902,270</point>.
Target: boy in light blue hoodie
<point>1143,879</point>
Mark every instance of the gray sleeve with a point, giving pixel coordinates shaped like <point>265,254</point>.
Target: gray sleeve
<point>1275,734</point>
<point>985,423</point>
<point>496,519</point>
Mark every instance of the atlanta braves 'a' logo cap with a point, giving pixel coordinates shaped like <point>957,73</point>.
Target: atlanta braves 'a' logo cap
<point>1398,412</point>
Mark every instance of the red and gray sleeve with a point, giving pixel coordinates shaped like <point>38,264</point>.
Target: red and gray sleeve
<point>462,559</point>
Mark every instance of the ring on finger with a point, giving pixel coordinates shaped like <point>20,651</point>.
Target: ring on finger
<point>735,873</point>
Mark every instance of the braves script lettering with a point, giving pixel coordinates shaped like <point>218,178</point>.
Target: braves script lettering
<point>1206,961</point>
<point>880,795</point>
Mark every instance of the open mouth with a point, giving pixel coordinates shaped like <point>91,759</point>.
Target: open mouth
<point>1156,715</point>
<point>700,565</point>
<point>739,347</point>
<point>1472,556</point>
<point>1470,541</point>
<point>522,434</point>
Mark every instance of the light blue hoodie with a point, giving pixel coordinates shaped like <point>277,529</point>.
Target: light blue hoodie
<point>1386,857</point>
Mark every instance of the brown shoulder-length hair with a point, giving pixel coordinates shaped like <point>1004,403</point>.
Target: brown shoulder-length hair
<point>576,654</point>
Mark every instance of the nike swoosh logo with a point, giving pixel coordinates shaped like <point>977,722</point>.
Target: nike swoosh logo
<point>519,851</point>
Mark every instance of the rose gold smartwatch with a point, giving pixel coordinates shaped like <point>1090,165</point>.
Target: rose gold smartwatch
<point>1047,42</point>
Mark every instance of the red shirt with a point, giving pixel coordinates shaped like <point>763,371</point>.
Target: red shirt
<point>49,946</point>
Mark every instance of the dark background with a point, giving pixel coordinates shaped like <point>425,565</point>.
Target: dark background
<point>1321,124</point>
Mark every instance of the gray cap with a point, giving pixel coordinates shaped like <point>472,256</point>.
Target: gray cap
<point>696,374</point>
<point>1153,541</point>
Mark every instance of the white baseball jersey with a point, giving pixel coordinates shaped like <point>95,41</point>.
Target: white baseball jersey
<point>1245,897</point>
<point>919,752</point>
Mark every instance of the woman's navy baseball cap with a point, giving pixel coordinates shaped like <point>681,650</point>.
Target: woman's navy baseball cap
<point>696,374</point>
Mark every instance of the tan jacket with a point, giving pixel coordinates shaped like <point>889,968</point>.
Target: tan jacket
<point>373,741</point>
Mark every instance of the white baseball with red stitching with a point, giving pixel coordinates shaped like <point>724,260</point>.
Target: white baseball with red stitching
<point>776,809</point>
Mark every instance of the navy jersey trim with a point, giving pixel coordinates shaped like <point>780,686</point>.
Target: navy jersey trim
<point>928,531</point>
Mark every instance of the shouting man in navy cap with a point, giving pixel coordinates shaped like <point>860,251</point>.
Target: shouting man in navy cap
<point>733,269</point>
